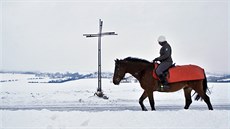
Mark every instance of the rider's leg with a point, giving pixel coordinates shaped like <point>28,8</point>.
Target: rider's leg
<point>159,71</point>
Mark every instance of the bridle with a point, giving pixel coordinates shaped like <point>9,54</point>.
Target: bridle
<point>118,77</point>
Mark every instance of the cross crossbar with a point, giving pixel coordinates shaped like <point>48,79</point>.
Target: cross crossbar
<point>98,35</point>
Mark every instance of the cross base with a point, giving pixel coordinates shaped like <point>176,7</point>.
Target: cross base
<point>100,94</point>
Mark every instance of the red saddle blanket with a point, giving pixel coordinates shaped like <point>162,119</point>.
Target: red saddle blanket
<point>183,73</point>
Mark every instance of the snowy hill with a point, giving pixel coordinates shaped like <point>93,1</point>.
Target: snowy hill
<point>218,77</point>
<point>39,77</point>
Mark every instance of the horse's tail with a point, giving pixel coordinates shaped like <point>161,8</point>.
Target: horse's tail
<point>205,88</point>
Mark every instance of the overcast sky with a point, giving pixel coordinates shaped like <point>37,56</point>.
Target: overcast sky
<point>47,35</point>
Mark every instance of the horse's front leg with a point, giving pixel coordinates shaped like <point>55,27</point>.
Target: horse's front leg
<point>188,99</point>
<point>142,98</point>
<point>151,100</point>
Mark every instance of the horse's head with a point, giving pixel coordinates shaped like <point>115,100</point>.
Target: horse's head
<point>119,71</point>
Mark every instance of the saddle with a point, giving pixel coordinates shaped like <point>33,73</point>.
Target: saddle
<point>166,72</point>
<point>179,73</point>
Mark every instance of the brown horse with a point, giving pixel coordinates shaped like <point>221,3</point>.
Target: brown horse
<point>142,70</point>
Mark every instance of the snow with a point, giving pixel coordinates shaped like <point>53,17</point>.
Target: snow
<point>115,119</point>
<point>72,105</point>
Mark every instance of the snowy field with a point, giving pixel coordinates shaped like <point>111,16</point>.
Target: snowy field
<point>72,105</point>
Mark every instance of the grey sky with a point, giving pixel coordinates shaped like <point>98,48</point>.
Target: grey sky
<point>47,35</point>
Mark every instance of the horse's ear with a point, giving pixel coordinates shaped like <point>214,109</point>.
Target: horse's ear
<point>116,60</point>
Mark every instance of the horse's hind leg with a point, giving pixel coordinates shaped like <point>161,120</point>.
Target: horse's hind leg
<point>204,96</point>
<point>188,99</point>
<point>206,99</point>
<point>142,98</point>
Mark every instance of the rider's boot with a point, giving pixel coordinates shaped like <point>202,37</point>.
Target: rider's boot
<point>164,83</point>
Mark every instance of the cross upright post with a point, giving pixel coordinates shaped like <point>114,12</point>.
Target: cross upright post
<point>99,92</point>
<point>99,56</point>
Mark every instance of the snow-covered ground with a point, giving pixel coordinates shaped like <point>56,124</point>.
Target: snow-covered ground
<point>72,105</point>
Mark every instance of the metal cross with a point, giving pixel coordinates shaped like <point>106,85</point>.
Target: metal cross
<point>99,92</point>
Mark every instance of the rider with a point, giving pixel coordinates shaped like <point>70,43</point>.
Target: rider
<point>165,59</point>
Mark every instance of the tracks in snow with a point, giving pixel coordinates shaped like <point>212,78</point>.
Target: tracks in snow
<point>117,107</point>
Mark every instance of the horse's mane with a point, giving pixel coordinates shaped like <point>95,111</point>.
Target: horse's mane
<point>132,59</point>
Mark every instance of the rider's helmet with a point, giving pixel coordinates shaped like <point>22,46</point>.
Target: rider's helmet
<point>161,38</point>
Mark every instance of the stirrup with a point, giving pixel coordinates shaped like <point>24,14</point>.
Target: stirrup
<point>165,87</point>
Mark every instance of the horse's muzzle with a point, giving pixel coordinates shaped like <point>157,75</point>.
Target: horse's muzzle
<point>116,81</point>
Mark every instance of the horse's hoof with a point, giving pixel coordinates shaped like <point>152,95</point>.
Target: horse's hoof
<point>144,109</point>
<point>186,108</point>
